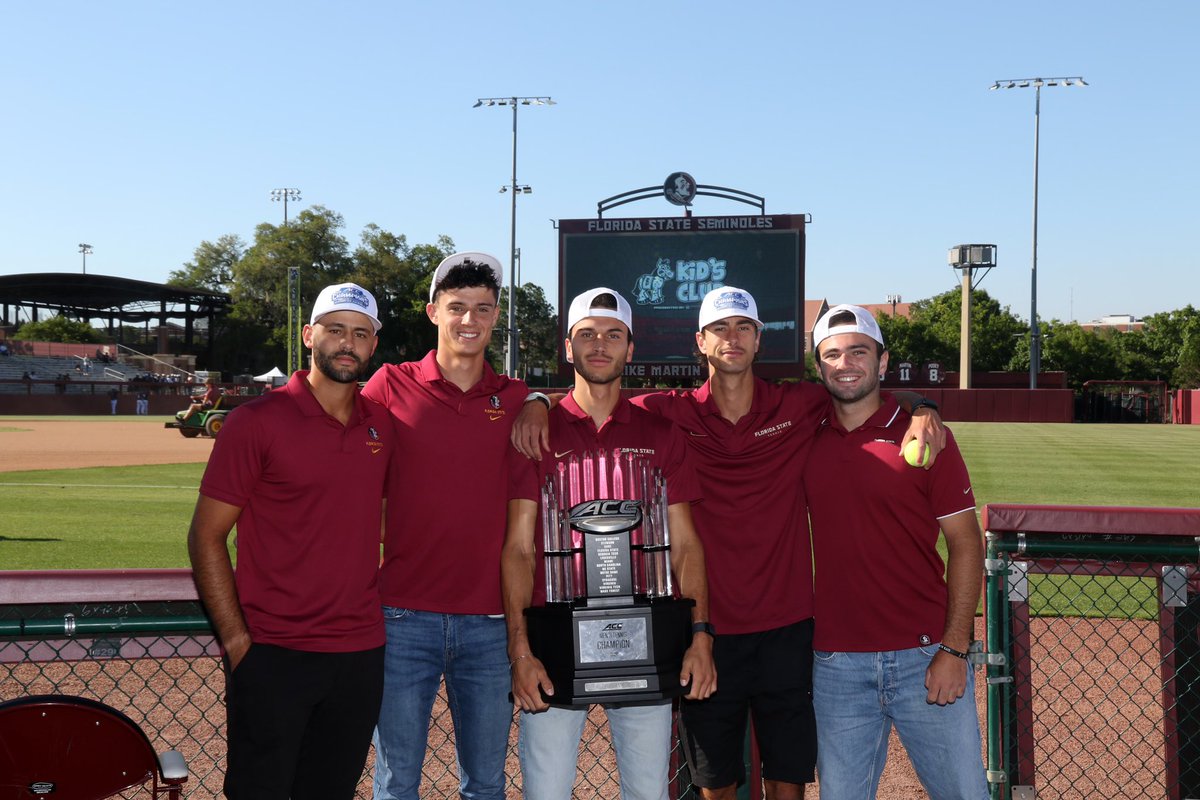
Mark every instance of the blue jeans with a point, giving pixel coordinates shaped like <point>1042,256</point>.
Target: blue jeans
<point>641,735</point>
<point>471,652</point>
<point>859,696</point>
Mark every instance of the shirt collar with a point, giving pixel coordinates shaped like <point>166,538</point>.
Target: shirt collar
<point>576,414</point>
<point>708,406</point>
<point>300,391</point>
<point>430,372</point>
<point>883,417</point>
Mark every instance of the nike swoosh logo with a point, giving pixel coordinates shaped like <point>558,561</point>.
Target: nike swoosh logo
<point>966,490</point>
<point>693,433</point>
<point>563,453</point>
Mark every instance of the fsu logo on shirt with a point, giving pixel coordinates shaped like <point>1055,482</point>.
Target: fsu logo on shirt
<point>373,441</point>
<point>495,412</point>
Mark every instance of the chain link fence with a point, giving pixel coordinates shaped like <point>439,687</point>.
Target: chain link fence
<point>158,662</point>
<point>1092,652</point>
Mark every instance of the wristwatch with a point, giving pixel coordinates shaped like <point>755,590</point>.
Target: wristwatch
<point>541,398</point>
<point>924,402</point>
<point>704,627</point>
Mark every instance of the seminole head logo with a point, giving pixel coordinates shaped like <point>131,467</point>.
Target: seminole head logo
<point>680,189</point>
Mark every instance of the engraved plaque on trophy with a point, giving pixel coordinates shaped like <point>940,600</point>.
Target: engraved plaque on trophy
<point>611,629</point>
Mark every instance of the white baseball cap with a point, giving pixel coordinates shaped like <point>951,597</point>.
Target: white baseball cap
<point>581,308</point>
<point>728,301</point>
<point>345,297</point>
<point>458,260</point>
<point>864,322</point>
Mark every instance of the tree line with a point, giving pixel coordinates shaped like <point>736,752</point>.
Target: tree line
<point>252,337</point>
<point>1166,348</point>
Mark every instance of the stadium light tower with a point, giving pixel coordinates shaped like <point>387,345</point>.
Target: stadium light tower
<point>85,249</point>
<point>512,351</point>
<point>285,195</point>
<point>1035,339</point>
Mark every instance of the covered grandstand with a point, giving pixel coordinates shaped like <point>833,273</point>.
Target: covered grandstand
<point>116,302</point>
<point>153,334</point>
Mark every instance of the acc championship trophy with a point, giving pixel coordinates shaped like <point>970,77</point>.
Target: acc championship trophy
<point>611,630</point>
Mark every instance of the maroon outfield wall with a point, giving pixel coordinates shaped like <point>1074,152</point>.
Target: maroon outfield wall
<point>1004,405</point>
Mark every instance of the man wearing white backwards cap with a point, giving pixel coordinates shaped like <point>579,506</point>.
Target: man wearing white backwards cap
<point>901,661</point>
<point>591,418</point>
<point>750,439</point>
<point>301,472</point>
<point>440,579</point>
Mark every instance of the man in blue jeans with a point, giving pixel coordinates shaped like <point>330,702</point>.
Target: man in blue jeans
<point>440,579</point>
<point>893,623</point>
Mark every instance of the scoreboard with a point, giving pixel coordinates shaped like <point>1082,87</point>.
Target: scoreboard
<point>665,265</point>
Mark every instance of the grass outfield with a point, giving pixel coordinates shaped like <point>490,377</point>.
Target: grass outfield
<point>109,518</point>
<point>97,518</point>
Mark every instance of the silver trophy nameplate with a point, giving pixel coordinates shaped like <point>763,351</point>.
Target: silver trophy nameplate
<point>612,639</point>
<point>617,686</point>
<point>608,565</point>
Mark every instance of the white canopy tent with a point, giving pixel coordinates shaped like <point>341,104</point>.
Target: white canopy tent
<point>270,377</point>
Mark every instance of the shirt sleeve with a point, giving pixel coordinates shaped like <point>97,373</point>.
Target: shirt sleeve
<point>950,489</point>
<point>376,387</point>
<point>524,476</point>
<point>669,405</point>
<point>679,469</point>
<point>236,462</point>
<point>812,400</point>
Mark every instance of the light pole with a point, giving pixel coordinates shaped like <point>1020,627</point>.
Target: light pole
<point>894,299</point>
<point>511,354</point>
<point>1035,341</point>
<point>968,258</point>
<point>85,249</point>
<point>285,195</point>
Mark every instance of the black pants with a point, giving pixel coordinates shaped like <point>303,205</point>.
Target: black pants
<point>300,723</point>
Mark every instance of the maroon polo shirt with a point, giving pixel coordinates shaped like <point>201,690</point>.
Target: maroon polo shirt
<point>310,491</point>
<point>753,521</point>
<point>573,432</point>
<point>880,583</point>
<point>447,490</point>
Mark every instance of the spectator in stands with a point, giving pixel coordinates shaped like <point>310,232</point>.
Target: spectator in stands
<point>301,472</point>
<point>894,624</point>
<point>3,349</point>
<point>202,402</point>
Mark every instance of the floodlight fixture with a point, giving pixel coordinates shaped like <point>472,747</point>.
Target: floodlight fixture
<point>512,352</point>
<point>1035,341</point>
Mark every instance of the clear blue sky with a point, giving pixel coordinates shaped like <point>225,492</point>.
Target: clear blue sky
<point>144,128</point>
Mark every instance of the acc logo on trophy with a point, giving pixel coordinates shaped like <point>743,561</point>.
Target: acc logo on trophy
<point>606,516</point>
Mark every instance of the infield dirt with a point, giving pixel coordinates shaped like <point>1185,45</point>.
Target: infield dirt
<point>70,444</point>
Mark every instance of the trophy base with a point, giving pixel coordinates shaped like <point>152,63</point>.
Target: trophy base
<point>612,654</point>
